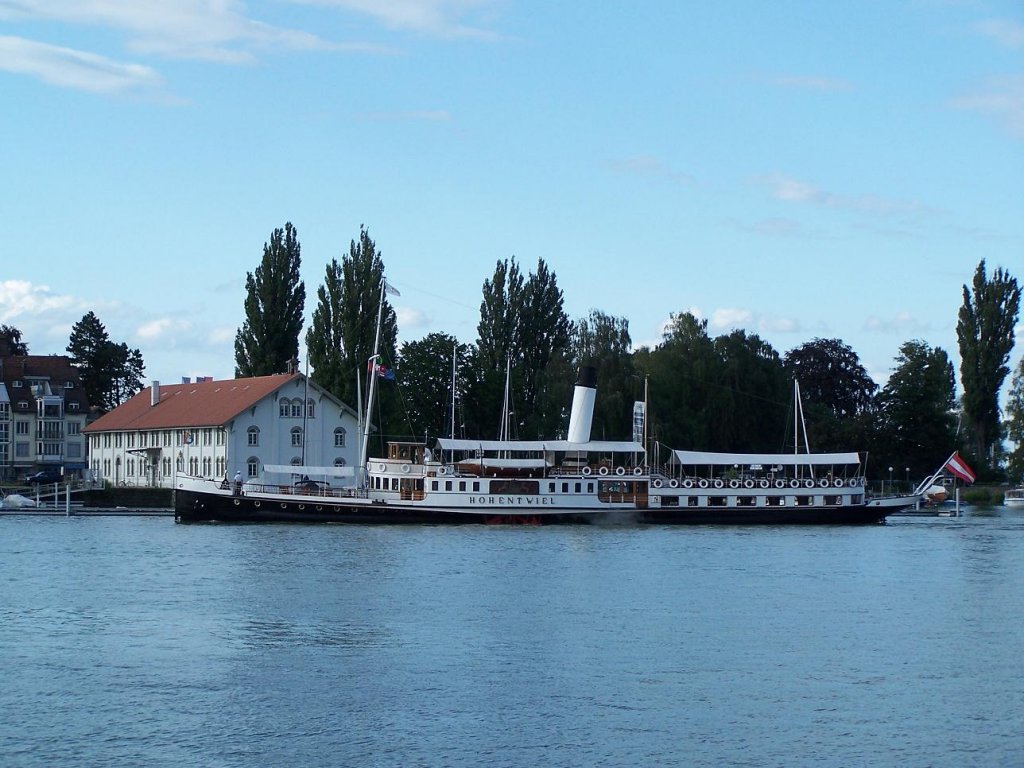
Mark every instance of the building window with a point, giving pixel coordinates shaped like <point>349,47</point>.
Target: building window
<point>21,427</point>
<point>310,409</point>
<point>283,409</point>
<point>72,406</point>
<point>339,437</point>
<point>69,384</point>
<point>296,436</point>
<point>339,462</point>
<point>17,384</point>
<point>252,466</point>
<point>297,409</point>
<point>253,435</point>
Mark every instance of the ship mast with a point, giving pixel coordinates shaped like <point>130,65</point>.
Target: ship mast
<point>371,365</point>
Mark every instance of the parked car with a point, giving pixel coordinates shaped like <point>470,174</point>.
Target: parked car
<point>44,476</point>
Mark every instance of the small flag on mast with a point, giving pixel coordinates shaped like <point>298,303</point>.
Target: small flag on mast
<point>382,371</point>
<point>959,468</point>
<point>389,288</point>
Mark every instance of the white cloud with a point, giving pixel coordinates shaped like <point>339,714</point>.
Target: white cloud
<point>21,299</point>
<point>726,319</point>
<point>69,68</point>
<point>440,18</point>
<point>1001,98</point>
<point>409,318</point>
<point>1004,31</point>
<point>162,329</point>
<point>790,190</point>
<point>902,323</point>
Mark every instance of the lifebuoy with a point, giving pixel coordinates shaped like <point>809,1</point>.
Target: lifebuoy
<point>748,483</point>
<point>794,483</point>
<point>780,483</point>
<point>405,468</point>
<point>718,482</point>
<point>673,483</point>
<point>603,471</point>
<point>620,471</point>
<point>587,471</point>
<point>638,471</point>
<point>442,470</point>
<point>702,483</point>
<point>808,483</point>
<point>734,483</point>
<point>823,482</point>
<point>656,483</point>
<point>838,482</point>
<point>687,483</point>
<point>381,467</point>
<point>764,483</point>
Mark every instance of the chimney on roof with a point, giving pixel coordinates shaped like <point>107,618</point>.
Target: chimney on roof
<point>154,393</point>
<point>186,380</point>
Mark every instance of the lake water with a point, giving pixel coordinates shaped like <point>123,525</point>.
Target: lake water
<point>136,641</point>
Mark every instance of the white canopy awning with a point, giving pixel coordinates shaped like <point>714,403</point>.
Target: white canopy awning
<point>313,472</point>
<point>538,446</point>
<point>704,458</point>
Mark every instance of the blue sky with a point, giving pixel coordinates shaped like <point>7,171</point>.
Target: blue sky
<point>797,169</point>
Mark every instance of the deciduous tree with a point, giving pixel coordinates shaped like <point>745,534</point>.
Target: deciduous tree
<point>916,419</point>
<point>10,339</point>
<point>110,372</point>
<point>1015,426</point>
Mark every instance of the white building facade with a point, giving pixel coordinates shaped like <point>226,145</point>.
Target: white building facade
<point>217,428</point>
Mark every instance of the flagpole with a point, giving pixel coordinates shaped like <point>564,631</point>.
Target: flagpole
<point>373,383</point>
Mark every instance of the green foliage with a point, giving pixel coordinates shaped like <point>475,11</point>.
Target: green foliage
<point>10,339</point>
<point>830,374</point>
<point>1015,426</point>
<point>425,370</point>
<point>274,304</point>
<point>523,330</point>
<point>342,334</point>
<point>985,334</point>
<point>916,426</point>
<point>681,371</point>
<point>110,373</point>
<point>604,342</point>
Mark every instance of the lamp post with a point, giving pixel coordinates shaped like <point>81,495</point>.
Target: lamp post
<point>890,479</point>
<point>908,480</point>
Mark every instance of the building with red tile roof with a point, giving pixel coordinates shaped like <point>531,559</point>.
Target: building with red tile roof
<point>217,428</point>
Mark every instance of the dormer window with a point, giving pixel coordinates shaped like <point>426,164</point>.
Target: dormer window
<point>69,384</point>
<point>23,404</point>
<point>17,384</point>
<point>72,406</point>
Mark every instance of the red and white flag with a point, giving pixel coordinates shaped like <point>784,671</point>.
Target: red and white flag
<point>958,468</point>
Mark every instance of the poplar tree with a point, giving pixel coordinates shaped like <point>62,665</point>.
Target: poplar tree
<point>523,328</point>
<point>984,332</point>
<point>274,304</point>
<point>344,325</point>
<point>1015,425</point>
